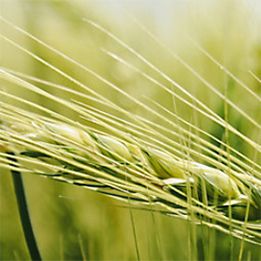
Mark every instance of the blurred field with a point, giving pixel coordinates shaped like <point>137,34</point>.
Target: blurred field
<point>72,223</point>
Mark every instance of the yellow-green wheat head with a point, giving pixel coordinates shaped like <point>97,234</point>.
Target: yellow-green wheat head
<point>162,118</point>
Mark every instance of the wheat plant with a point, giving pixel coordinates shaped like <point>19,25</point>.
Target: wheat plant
<point>149,156</point>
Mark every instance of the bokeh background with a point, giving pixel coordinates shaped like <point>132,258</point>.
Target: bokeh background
<point>72,223</point>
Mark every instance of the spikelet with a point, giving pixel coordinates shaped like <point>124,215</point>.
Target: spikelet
<point>164,165</point>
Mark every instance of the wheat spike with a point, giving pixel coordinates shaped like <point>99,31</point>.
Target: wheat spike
<point>131,159</point>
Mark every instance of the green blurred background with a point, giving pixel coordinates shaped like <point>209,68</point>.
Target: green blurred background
<point>71,222</point>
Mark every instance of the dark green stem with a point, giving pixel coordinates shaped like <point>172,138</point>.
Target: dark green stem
<point>24,213</point>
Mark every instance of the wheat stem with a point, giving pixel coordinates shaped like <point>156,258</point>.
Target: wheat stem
<point>24,212</point>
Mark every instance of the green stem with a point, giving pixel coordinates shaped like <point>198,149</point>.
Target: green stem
<point>24,213</point>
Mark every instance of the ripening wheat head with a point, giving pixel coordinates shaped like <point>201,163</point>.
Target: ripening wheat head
<point>171,164</point>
